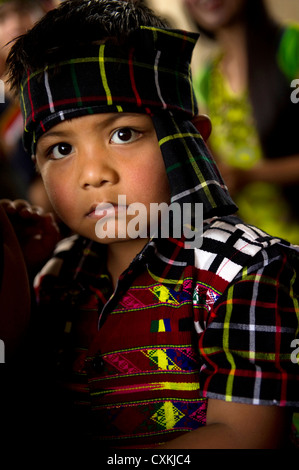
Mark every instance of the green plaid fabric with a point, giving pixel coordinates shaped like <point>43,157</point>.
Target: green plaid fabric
<point>154,77</point>
<point>192,172</point>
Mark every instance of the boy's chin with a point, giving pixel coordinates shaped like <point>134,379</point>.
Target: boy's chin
<point>113,241</point>
<point>114,232</point>
<point>110,239</point>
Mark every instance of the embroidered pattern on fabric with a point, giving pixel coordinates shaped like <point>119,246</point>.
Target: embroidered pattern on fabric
<point>168,415</point>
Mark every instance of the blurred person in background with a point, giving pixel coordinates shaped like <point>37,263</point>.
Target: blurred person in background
<point>246,90</point>
<point>18,177</point>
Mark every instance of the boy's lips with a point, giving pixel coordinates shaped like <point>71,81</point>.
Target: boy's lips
<point>105,209</point>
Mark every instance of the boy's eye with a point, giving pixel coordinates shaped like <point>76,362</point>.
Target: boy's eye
<point>125,135</point>
<point>61,150</point>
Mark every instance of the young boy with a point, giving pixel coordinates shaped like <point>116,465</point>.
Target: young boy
<point>152,341</point>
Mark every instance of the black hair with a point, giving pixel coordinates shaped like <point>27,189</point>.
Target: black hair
<point>65,29</point>
<point>268,87</point>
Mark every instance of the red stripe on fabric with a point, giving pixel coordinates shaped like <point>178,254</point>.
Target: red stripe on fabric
<point>132,78</point>
<point>173,257</point>
<point>100,99</point>
<point>179,243</point>
<point>29,95</point>
<point>207,359</point>
<point>283,393</point>
<point>42,126</point>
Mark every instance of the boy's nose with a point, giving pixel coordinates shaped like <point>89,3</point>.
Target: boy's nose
<point>95,171</point>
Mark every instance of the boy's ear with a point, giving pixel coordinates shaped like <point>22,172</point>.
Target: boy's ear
<point>203,124</point>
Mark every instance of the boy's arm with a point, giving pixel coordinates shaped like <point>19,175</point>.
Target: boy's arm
<point>281,171</point>
<point>245,349</point>
<point>237,426</point>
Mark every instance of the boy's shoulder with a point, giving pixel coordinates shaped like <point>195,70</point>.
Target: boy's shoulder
<point>229,245</point>
<point>231,228</point>
<point>72,257</point>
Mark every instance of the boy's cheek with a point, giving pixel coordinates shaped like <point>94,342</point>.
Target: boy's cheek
<point>59,195</point>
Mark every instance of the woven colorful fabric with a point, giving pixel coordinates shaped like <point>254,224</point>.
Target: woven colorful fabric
<point>191,170</point>
<point>153,74</point>
<point>153,78</point>
<point>182,326</point>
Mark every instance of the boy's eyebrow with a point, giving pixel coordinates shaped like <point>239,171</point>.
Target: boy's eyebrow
<point>108,120</point>
<point>50,134</point>
<point>53,133</point>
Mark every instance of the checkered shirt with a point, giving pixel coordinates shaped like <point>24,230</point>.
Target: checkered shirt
<point>182,326</point>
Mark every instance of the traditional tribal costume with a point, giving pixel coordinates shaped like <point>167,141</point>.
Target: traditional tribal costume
<point>183,325</point>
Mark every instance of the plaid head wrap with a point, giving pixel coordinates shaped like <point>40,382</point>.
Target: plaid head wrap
<point>152,77</point>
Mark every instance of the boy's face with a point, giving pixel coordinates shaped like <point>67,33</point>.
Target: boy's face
<point>95,159</point>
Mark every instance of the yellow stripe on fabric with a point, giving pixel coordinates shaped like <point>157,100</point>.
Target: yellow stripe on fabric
<point>170,33</point>
<point>212,350</point>
<point>24,107</point>
<point>176,386</point>
<point>261,356</point>
<point>265,279</point>
<point>161,279</point>
<point>229,356</point>
<point>179,136</point>
<point>103,74</point>
<point>197,171</point>
<point>295,301</point>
